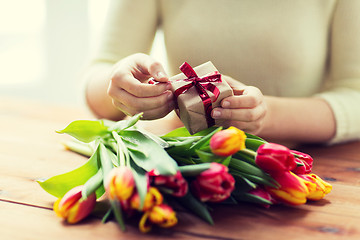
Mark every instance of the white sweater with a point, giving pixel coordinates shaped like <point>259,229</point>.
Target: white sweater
<point>297,48</point>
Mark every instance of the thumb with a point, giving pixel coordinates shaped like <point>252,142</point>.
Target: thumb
<point>154,68</point>
<point>158,73</point>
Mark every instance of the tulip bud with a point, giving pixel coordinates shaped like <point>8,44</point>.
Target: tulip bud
<point>322,188</point>
<point>293,190</point>
<point>153,197</point>
<point>304,159</point>
<point>176,183</point>
<point>262,193</point>
<point>272,157</point>
<point>227,142</point>
<point>120,183</point>
<point>214,184</point>
<point>72,207</point>
<point>163,215</point>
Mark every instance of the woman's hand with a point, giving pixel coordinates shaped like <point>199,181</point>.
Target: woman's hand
<point>130,91</point>
<point>245,110</point>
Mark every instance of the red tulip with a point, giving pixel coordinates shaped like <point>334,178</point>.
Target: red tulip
<point>272,157</point>
<point>306,161</point>
<point>214,184</point>
<point>120,183</point>
<point>72,207</point>
<point>176,183</point>
<point>227,142</point>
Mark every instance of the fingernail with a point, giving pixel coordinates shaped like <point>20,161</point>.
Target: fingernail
<point>226,104</point>
<point>161,75</point>
<point>216,113</point>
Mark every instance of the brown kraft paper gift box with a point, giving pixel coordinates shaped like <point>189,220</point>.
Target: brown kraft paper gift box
<point>191,107</point>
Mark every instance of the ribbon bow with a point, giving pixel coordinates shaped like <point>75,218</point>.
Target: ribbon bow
<point>201,85</point>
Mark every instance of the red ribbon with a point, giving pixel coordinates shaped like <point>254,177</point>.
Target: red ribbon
<point>201,85</point>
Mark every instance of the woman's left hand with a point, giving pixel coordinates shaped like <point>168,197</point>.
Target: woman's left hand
<point>245,110</point>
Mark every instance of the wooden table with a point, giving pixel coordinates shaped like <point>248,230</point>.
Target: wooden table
<point>30,149</point>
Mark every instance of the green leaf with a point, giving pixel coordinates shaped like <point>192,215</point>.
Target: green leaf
<point>105,159</point>
<point>204,140</point>
<point>208,131</point>
<point>245,157</point>
<point>195,206</point>
<point>194,170</point>
<point>85,130</point>
<point>94,184</point>
<point>121,150</point>
<point>125,124</point>
<point>241,183</point>
<point>179,132</point>
<point>154,137</point>
<point>107,215</point>
<point>115,205</point>
<point>141,181</point>
<point>245,167</point>
<point>253,144</point>
<point>76,146</point>
<point>253,178</point>
<point>250,136</point>
<point>60,184</point>
<point>183,132</point>
<point>181,148</point>
<point>226,161</point>
<point>207,156</point>
<point>184,160</point>
<point>148,154</point>
<point>247,197</point>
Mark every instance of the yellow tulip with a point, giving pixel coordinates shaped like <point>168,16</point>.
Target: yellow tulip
<point>227,142</point>
<point>293,190</point>
<point>322,188</point>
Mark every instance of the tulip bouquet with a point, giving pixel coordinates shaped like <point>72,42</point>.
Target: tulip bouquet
<point>140,174</point>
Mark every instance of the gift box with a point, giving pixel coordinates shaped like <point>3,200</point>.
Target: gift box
<point>197,91</point>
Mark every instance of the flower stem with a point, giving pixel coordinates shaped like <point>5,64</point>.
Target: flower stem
<point>79,147</point>
<point>248,152</point>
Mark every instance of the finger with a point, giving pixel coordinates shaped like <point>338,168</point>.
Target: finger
<point>127,82</point>
<point>234,84</point>
<point>243,115</point>
<point>143,103</point>
<point>149,66</point>
<point>250,98</point>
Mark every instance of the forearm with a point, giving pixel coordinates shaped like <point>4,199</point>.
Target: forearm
<point>97,79</point>
<point>299,120</point>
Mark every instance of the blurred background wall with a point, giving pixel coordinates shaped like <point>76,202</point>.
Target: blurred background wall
<point>45,44</point>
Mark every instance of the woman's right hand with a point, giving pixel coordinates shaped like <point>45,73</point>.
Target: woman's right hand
<point>131,92</point>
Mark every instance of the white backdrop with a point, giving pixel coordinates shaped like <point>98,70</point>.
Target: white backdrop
<point>45,44</point>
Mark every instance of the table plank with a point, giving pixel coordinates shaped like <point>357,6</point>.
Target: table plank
<point>23,222</point>
<point>30,149</point>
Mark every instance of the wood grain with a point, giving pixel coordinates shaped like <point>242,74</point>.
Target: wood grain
<point>30,149</point>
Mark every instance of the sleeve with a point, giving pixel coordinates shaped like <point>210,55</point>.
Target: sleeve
<point>342,90</point>
<point>130,27</point>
